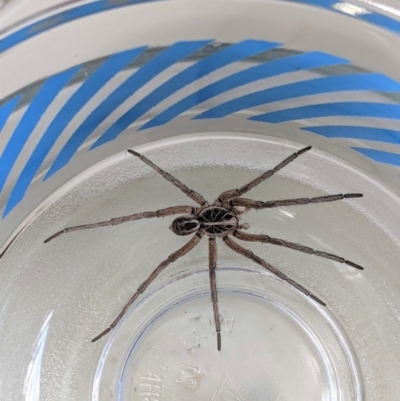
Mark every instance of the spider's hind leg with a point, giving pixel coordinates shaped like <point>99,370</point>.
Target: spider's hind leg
<point>266,239</point>
<point>249,254</point>
<point>142,287</point>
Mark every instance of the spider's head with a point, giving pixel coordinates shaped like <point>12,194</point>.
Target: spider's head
<point>185,225</point>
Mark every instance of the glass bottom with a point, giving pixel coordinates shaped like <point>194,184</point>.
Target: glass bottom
<point>276,342</point>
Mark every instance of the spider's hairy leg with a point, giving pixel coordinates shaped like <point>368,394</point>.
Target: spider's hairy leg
<point>171,258</point>
<point>292,245</point>
<point>249,254</point>
<point>187,191</point>
<point>253,204</point>
<point>212,251</point>
<point>169,211</point>
<point>235,193</point>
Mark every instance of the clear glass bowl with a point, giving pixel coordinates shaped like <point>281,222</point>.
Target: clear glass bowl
<point>277,344</point>
<point>275,341</point>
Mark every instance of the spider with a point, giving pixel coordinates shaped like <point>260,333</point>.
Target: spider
<point>220,219</point>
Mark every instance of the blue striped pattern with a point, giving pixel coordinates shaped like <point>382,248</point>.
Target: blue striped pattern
<point>110,68</point>
<point>356,132</point>
<point>380,156</point>
<point>270,69</point>
<point>342,109</point>
<point>151,69</point>
<point>7,109</point>
<point>100,118</point>
<point>62,18</point>
<point>50,89</point>
<point>366,134</point>
<point>85,92</point>
<point>372,17</point>
<point>361,82</point>
<point>204,67</point>
<point>95,7</point>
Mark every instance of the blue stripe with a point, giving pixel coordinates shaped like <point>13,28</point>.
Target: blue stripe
<point>147,72</point>
<point>266,70</point>
<point>7,109</point>
<point>48,23</point>
<point>89,88</point>
<point>355,132</point>
<point>202,68</point>
<point>105,5</point>
<point>32,115</point>
<point>373,82</point>
<point>62,18</point>
<point>380,156</point>
<point>382,20</point>
<point>372,17</point>
<point>344,109</point>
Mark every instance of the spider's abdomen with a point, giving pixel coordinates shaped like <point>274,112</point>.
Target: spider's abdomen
<point>216,220</point>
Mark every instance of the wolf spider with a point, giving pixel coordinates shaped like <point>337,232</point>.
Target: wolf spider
<point>219,219</point>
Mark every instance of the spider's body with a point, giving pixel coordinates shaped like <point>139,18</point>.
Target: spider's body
<point>214,221</point>
<point>221,219</point>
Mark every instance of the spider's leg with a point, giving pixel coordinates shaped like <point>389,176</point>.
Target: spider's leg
<point>171,258</point>
<point>248,254</point>
<point>169,211</point>
<point>234,193</point>
<point>187,191</point>
<point>212,251</point>
<point>292,245</point>
<point>253,204</point>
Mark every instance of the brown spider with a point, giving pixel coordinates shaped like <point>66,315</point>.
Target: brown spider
<point>219,219</point>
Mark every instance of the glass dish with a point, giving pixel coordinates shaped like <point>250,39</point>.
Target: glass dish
<point>277,344</point>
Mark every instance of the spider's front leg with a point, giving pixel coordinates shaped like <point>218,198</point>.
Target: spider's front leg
<point>198,198</point>
<point>212,250</point>
<point>235,193</point>
<point>169,211</point>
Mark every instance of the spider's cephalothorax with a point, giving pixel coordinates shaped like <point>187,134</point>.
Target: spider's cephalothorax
<point>221,219</point>
<point>212,220</point>
<point>217,221</point>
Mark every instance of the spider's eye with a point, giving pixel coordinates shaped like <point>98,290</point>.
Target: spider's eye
<point>185,225</point>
